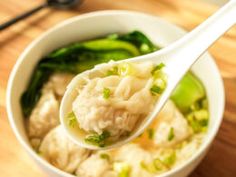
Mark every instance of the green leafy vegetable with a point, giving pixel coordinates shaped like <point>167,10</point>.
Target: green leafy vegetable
<point>98,140</point>
<point>187,92</point>
<point>189,96</point>
<point>71,119</point>
<point>106,93</point>
<point>171,134</point>
<point>141,41</point>
<point>78,57</point>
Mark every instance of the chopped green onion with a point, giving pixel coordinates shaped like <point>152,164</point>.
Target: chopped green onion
<point>96,139</point>
<point>105,156</point>
<point>150,133</point>
<point>204,103</point>
<point>194,123</point>
<point>155,90</point>
<point>204,122</point>
<point>148,167</point>
<point>170,159</point>
<point>158,164</point>
<point>201,114</point>
<point>198,120</point>
<point>154,167</point>
<point>106,93</point>
<point>71,119</point>
<point>195,106</point>
<point>171,134</point>
<point>122,168</point>
<point>125,69</point>
<point>113,71</point>
<point>197,125</point>
<point>160,83</point>
<point>157,68</point>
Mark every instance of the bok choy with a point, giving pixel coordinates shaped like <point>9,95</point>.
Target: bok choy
<point>80,56</point>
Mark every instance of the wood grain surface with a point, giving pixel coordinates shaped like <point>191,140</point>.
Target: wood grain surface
<point>221,159</point>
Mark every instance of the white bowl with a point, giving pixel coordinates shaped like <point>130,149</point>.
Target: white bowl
<point>96,24</point>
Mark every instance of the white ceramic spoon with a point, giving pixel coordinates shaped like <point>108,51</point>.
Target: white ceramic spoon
<point>178,58</point>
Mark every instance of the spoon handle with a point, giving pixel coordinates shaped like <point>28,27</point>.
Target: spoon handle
<point>22,16</point>
<point>188,49</point>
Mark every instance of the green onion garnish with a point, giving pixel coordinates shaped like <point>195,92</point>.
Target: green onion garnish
<point>96,139</point>
<point>71,119</point>
<point>106,93</point>
<point>149,167</point>
<point>158,164</point>
<point>201,114</point>
<point>154,167</point>
<point>113,71</point>
<point>170,159</point>
<point>198,120</point>
<point>171,134</point>
<point>157,68</point>
<point>156,90</point>
<point>125,69</point>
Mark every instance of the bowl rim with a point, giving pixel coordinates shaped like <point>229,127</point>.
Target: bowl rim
<point>203,147</point>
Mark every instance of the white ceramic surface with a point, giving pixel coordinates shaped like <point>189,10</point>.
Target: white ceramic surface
<point>99,24</point>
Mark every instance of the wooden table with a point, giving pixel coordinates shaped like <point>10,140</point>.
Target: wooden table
<point>221,159</point>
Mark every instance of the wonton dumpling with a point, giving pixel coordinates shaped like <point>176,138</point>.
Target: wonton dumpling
<point>58,83</point>
<point>128,86</point>
<point>133,154</point>
<point>45,115</point>
<point>57,149</point>
<point>43,118</point>
<point>130,100</point>
<point>95,166</point>
<point>171,118</point>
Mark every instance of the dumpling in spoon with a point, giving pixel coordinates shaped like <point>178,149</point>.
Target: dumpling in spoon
<point>111,102</point>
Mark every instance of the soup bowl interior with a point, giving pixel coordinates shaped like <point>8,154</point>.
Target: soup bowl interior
<point>98,24</point>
